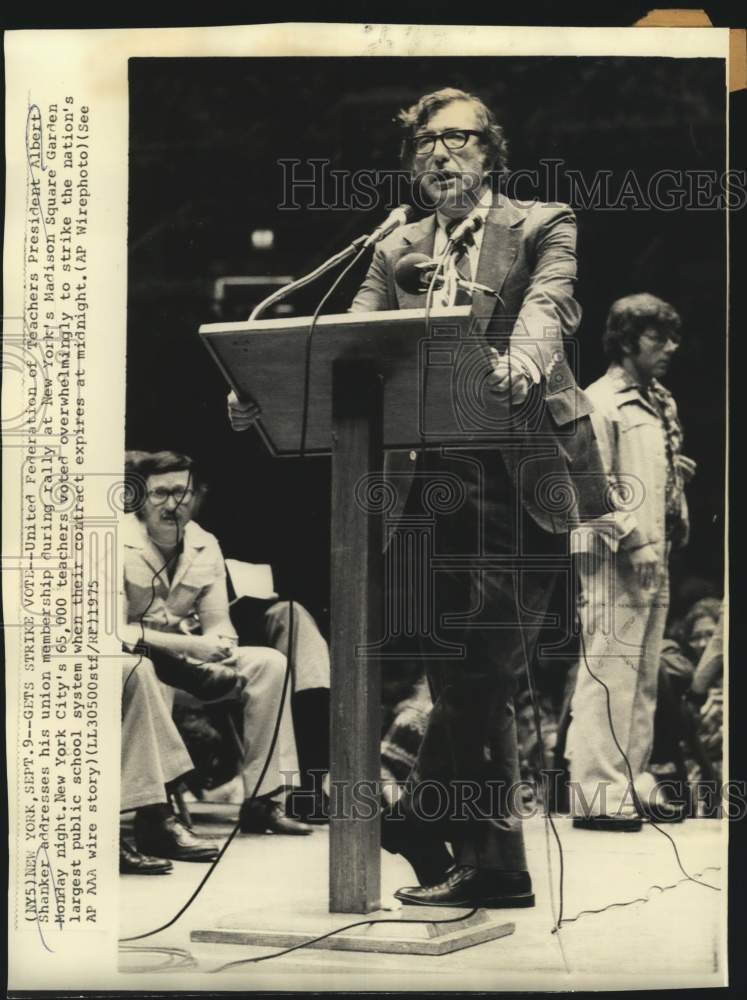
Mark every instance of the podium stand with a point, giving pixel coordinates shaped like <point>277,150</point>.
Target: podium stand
<point>375,381</point>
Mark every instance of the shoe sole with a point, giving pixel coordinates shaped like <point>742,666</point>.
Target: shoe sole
<point>621,826</point>
<point>204,858</point>
<point>491,903</point>
<point>276,833</point>
<point>197,856</point>
<point>153,871</point>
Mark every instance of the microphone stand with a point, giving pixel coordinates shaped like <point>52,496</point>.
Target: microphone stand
<point>327,265</point>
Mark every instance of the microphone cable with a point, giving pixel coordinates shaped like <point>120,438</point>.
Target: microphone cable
<point>339,930</point>
<point>308,343</point>
<point>549,822</point>
<point>636,798</point>
<point>166,566</point>
<point>639,899</point>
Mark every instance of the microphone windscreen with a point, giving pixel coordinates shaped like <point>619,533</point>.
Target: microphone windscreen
<point>408,275</point>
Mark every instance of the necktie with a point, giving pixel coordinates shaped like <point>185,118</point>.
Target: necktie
<point>463,265</point>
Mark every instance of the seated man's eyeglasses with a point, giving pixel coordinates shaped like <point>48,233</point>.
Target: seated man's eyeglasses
<point>453,139</point>
<point>161,495</point>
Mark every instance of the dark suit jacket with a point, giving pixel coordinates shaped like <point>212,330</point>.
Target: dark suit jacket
<point>528,255</point>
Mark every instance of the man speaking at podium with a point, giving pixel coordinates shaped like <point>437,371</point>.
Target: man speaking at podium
<point>527,255</point>
<point>468,759</point>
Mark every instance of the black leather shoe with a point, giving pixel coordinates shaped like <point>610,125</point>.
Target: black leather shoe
<point>132,862</point>
<point>267,816</point>
<point>170,838</point>
<point>208,682</point>
<point>468,886</point>
<point>610,824</point>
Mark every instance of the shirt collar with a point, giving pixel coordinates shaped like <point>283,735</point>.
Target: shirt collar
<point>135,534</point>
<point>623,382</point>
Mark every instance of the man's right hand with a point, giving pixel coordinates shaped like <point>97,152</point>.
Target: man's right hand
<point>209,648</point>
<point>645,562</point>
<point>242,415</point>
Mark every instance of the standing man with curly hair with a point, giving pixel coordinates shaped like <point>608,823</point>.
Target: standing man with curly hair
<point>624,574</point>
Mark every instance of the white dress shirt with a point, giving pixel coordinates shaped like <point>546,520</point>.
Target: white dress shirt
<point>473,250</point>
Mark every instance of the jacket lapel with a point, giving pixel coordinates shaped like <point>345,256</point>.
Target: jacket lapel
<point>500,245</point>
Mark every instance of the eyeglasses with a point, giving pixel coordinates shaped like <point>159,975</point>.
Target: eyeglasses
<point>180,495</point>
<point>453,139</point>
<point>661,338</point>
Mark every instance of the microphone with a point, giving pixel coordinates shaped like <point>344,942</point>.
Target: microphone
<point>396,218</point>
<point>409,272</point>
<point>467,227</point>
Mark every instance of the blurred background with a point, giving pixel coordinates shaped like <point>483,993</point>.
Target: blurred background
<point>206,138</point>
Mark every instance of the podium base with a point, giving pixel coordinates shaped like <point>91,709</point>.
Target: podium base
<point>395,937</point>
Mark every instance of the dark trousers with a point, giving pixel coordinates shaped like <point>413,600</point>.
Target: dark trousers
<point>464,787</point>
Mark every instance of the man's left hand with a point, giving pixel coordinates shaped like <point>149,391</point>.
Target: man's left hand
<point>508,380</point>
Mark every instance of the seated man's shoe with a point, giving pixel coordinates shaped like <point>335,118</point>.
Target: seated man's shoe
<point>132,862</point>
<point>467,886</point>
<point>208,682</point>
<point>610,824</point>
<point>266,816</point>
<point>663,812</point>
<point>170,838</point>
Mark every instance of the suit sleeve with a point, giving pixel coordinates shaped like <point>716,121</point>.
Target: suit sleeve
<point>549,312</point>
<point>377,291</point>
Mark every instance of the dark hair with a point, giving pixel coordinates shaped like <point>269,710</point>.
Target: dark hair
<point>630,316</point>
<point>418,114</point>
<point>139,465</point>
<point>706,607</point>
<point>156,463</point>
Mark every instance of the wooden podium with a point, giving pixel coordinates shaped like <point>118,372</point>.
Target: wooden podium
<point>375,381</point>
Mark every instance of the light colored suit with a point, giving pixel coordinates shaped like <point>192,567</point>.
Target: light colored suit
<point>623,624</point>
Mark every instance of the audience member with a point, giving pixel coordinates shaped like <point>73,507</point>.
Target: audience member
<point>623,571</point>
<point>174,570</point>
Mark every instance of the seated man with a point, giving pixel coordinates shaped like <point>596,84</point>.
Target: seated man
<point>153,755</point>
<point>174,570</point>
